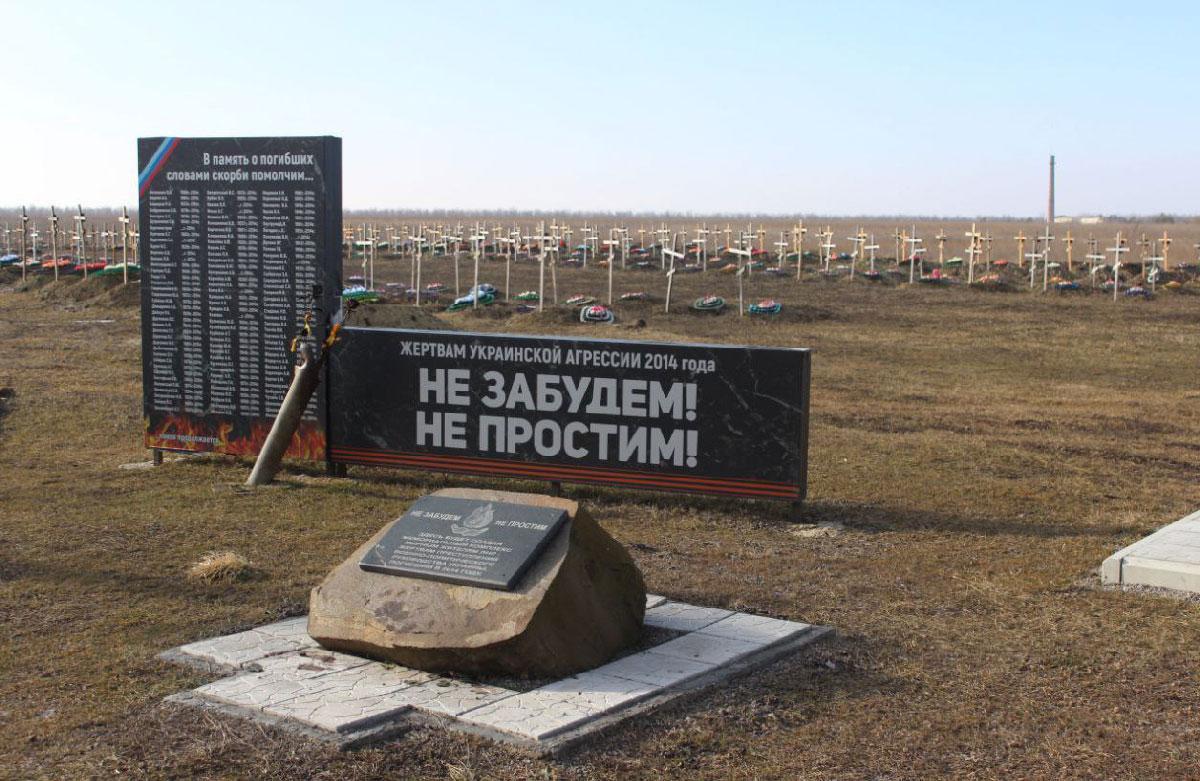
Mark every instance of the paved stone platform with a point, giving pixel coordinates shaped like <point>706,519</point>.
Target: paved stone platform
<point>1169,558</point>
<point>276,673</point>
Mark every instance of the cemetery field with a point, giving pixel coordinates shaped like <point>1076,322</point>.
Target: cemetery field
<point>980,452</point>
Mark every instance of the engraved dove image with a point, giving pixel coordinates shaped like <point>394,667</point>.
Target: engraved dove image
<point>476,523</point>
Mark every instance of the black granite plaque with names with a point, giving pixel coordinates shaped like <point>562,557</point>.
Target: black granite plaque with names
<point>465,541</point>
<point>241,238</point>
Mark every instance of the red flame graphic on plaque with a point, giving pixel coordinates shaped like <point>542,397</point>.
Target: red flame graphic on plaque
<point>216,435</point>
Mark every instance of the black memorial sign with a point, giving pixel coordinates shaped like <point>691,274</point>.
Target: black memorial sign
<point>715,419</point>
<point>488,544</point>
<point>237,233</point>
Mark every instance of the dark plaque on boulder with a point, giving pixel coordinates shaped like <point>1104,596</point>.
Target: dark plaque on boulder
<point>475,543</point>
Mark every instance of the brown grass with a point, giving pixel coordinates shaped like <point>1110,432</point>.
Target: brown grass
<point>221,567</point>
<point>983,452</point>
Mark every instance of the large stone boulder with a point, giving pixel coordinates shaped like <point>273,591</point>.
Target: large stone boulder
<point>582,601</point>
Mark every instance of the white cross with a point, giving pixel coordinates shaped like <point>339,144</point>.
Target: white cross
<point>1116,265</point>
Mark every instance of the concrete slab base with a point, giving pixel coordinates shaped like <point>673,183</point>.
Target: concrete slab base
<point>277,674</point>
<point>1169,558</point>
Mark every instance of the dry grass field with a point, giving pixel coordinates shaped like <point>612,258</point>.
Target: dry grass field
<point>985,452</point>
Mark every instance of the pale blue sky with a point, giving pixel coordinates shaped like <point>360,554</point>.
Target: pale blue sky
<point>830,108</point>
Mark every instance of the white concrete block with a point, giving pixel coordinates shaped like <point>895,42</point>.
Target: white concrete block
<point>560,706</point>
<point>709,649</point>
<point>530,716</point>
<point>294,629</point>
<point>238,649</point>
<point>352,699</point>
<point>306,663</point>
<point>760,630</point>
<point>1179,576</point>
<point>257,690</point>
<point>1110,569</point>
<point>1188,523</point>
<point>682,617</point>
<point>1166,549</point>
<point>1168,558</point>
<point>654,600</point>
<point>449,697</point>
<point>598,692</point>
<point>655,669</point>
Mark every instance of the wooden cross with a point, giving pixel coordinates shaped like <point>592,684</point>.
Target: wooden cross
<point>871,248</point>
<point>1032,257</point>
<point>54,240</point>
<point>941,240</point>
<point>670,278</point>
<point>741,253</point>
<point>913,253</point>
<point>858,240</point>
<point>827,248</point>
<point>973,252</point>
<point>373,249</point>
<point>1143,245</point>
<point>1020,237</point>
<point>1069,243</point>
<point>702,241</point>
<point>418,251</point>
<point>80,219</point>
<point>1045,238</point>
<point>1095,259</point>
<point>1116,265</point>
<point>1165,245</point>
<point>741,243</point>
<point>1151,276</point>
<point>741,304</point>
<point>798,236</point>
<point>542,239</point>
<point>554,277</point>
<point>33,237</point>
<point>663,233</point>
<point>454,256</point>
<point>612,243</point>
<point>477,241</point>
<point>24,230</point>
<point>508,242</point>
<point>671,253</point>
<point>587,243</point>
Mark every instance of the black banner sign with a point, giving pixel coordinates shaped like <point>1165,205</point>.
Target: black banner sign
<point>712,419</point>
<point>236,232</point>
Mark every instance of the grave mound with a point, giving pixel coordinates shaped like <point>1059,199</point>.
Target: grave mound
<point>396,316</point>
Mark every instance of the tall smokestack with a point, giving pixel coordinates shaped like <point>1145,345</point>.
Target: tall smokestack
<point>1050,205</point>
